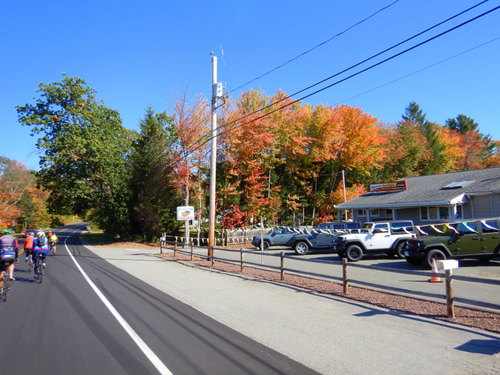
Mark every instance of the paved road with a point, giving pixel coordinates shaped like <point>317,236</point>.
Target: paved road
<point>106,321</point>
<point>476,284</point>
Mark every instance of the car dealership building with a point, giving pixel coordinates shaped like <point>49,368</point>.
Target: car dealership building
<point>429,199</point>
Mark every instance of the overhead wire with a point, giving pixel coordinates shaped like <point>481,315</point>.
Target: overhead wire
<point>350,67</point>
<point>205,140</point>
<point>421,69</point>
<point>313,48</point>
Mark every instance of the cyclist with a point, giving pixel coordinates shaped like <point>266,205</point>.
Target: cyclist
<point>52,242</point>
<point>9,247</point>
<point>28,246</point>
<point>40,248</point>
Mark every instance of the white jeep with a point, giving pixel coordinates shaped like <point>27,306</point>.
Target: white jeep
<point>376,237</point>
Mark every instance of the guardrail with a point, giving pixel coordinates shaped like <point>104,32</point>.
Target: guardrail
<point>331,270</point>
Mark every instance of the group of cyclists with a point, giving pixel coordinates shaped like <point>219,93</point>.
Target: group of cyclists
<point>36,245</point>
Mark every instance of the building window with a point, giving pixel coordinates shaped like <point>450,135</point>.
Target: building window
<point>444,213</point>
<point>375,212</point>
<point>362,213</point>
<point>389,214</point>
<point>458,212</point>
<point>435,213</point>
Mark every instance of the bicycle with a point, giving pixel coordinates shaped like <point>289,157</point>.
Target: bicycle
<point>39,268</point>
<point>53,247</point>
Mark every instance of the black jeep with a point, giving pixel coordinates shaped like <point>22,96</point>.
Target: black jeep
<point>479,239</point>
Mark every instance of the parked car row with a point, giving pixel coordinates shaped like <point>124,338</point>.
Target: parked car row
<point>400,238</point>
<point>302,239</point>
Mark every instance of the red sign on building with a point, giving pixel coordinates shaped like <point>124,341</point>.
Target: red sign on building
<point>389,186</point>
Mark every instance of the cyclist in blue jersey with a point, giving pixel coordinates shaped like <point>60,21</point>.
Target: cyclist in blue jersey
<point>40,247</point>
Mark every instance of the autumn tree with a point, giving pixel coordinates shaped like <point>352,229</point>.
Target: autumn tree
<point>15,180</point>
<point>84,149</point>
<point>191,122</point>
<point>478,147</point>
<point>248,148</point>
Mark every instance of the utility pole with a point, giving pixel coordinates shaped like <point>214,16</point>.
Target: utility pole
<point>216,93</point>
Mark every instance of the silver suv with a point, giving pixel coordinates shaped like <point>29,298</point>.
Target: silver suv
<point>278,236</point>
<point>376,237</point>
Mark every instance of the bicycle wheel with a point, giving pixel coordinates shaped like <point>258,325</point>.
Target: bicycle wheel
<point>5,287</point>
<point>39,270</point>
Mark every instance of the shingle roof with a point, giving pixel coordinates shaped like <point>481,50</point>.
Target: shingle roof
<point>428,189</point>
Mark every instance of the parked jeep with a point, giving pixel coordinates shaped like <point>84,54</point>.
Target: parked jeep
<point>324,236</point>
<point>468,239</point>
<point>376,237</point>
<point>278,236</point>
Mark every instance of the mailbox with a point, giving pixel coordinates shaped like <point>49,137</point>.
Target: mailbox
<point>447,264</point>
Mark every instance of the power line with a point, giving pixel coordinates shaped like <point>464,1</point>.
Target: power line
<point>421,70</point>
<point>343,79</point>
<point>313,48</point>
<point>351,67</point>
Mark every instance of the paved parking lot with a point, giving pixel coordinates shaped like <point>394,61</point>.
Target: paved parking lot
<point>468,267</point>
<point>475,282</point>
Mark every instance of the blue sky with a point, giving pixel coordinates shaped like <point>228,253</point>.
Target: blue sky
<point>140,54</point>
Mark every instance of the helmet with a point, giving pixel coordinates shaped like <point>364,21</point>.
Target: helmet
<point>8,231</point>
<point>40,233</point>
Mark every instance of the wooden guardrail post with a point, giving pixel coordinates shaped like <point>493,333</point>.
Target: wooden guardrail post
<point>450,297</point>
<point>282,268</point>
<point>241,259</point>
<point>175,247</point>
<point>344,276</point>
<point>191,251</point>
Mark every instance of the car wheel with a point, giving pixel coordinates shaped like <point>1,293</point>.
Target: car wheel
<point>301,248</point>
<point>399,250</point>
<point>436,254</point>
<point>265,244</point>
<point>354,253</point>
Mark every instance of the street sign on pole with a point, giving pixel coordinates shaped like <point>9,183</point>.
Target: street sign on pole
<point>185,213</point>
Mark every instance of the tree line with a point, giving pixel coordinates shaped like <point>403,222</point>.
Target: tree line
<point>278,165</point>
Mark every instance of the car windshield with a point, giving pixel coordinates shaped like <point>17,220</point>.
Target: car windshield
<point>366,227</point>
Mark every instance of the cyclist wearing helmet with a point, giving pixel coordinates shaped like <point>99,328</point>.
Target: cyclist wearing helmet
<point>9,247</point>
<point>40,247</point>
<point>52,242</point>
<point>28,246</point>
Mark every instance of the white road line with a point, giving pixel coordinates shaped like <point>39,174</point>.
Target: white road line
<point>153,358</point>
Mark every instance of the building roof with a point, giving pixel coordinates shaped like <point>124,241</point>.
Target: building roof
<point>438,189</point>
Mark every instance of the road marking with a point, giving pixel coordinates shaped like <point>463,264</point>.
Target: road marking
<point>153,358</point>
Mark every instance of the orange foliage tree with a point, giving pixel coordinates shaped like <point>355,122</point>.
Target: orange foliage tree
<point>189,160</point>
<point>15,179</point>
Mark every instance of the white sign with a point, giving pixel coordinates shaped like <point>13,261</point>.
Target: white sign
<point>185,213</point>
<point>448,264</point>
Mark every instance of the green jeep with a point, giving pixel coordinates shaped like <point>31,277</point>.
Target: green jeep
<point>479,239</point>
